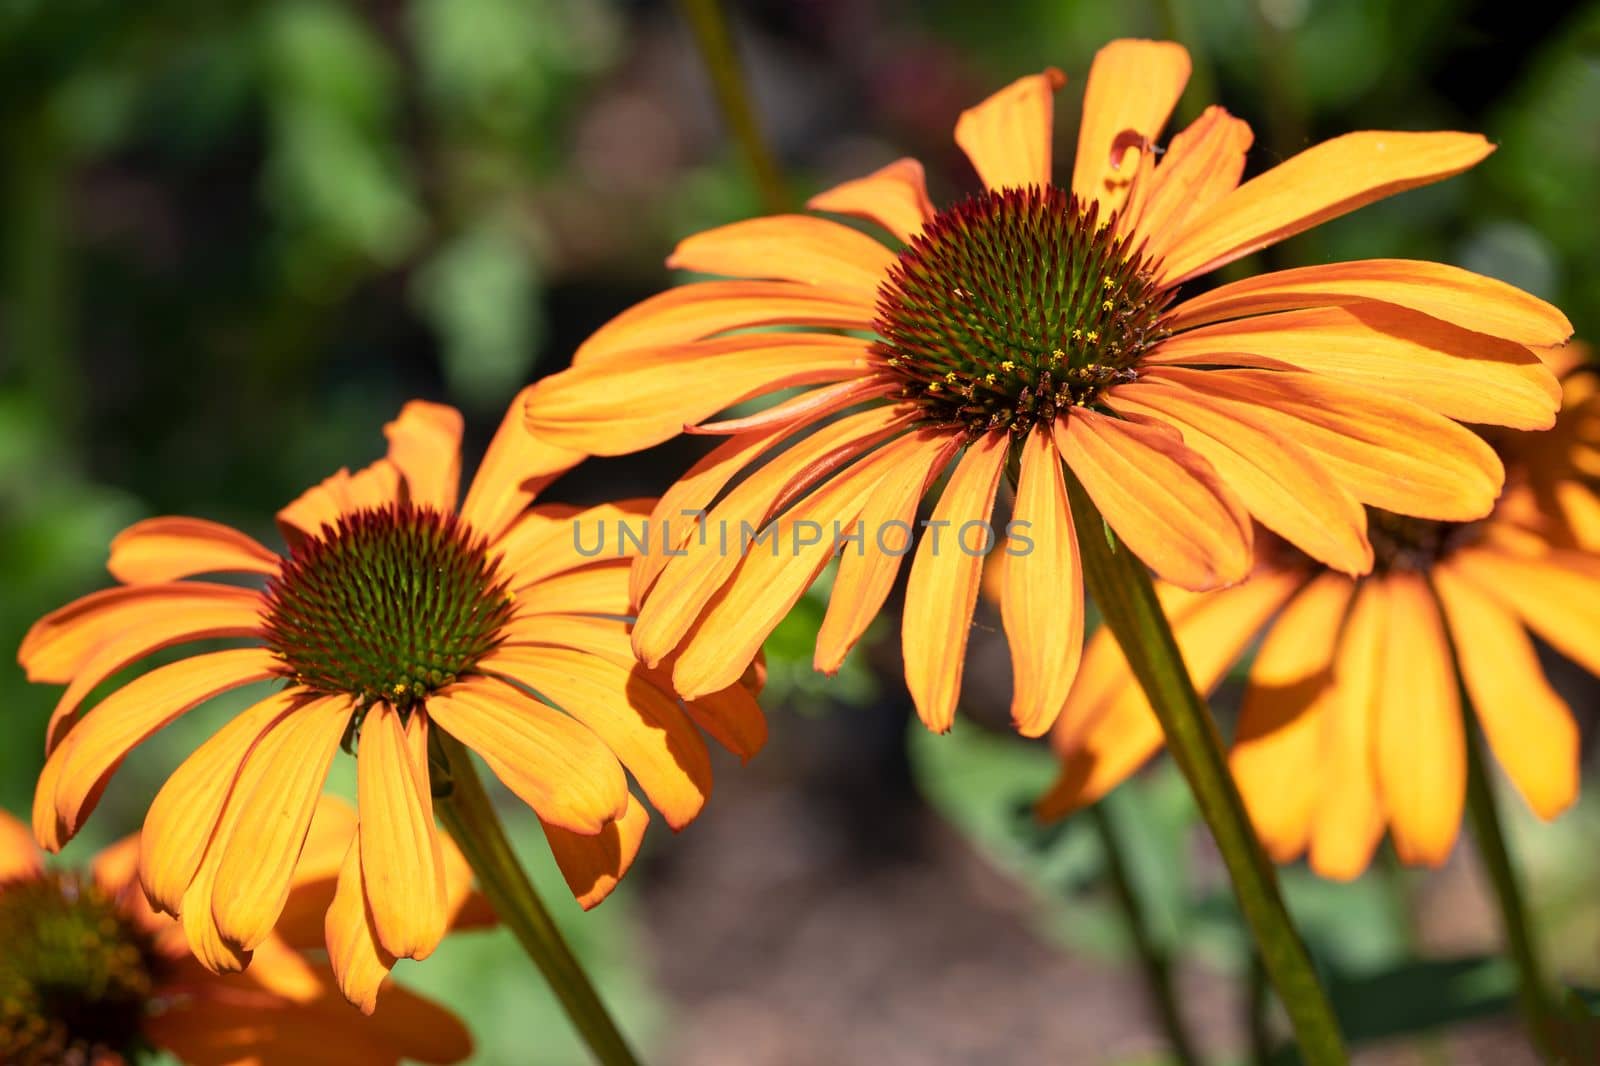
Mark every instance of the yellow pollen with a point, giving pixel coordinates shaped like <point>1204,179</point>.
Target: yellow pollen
<point>1057,355</point>
<point>1108,282</point>
<point>1077,334</point>
<point>934,387</point>
<point>1108,305</point>
<point>1092,336</point>
<point>989,379</point>
<point>950,377</point>
<point>1008,366</point>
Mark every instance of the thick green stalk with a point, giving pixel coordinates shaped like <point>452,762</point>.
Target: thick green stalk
<point>469,816</point>
<point>727,79</point>
<point>1154,961</point>
<point>1533,996</point>
<point>1121,586</point>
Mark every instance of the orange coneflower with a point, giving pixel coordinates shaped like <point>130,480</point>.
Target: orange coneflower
<point>89,973</point>
<point>1351,719</point>
<point>1034,324</point>
<point>392,614</point>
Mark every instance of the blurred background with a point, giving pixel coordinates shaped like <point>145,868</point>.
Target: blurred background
<point>234,238</point>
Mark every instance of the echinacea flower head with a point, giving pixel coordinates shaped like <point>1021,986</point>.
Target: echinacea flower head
<point>91,974</point>
<point>1041,329</point>
<point>1351,721</point>
<point>392,615</point>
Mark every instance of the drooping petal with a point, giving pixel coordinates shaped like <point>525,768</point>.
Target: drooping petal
<point>553,763</point>
<point>162,625</point>
<point>1107,730</point>
<point>593,865</point>
<point>1203,163</point>
<point>1279,482</point>
<point>359,962</point>
<point>1007,136</point>
<point>688,582</point>
<point>867,570</point>
<point>1556,595</point>
<point>1388,453</point>
<point>425,446</point>
<point>1323,182</point>
<point>1528,725</point>
<point>1160,497</point>
<point>615,410</point>
<point>127,718</point>
<point>800,248</point>
<point>1133,87</point>
<point>704,309</point>
<point>1350,816</point>
<point>19,855</point>
<point>1042,603</point>
<point>401,865</point>
<point>58,645</point>
<point>895,197</point>
<point>515,469</point>
<point>275,799</point>
<point>166,549</point>
<point>1277,755</point>
<point>636,719</point>
<point>772,576</point>
<point>943,587</point>
<point>179,824</point>
<point>1420,750</point>
<point>1471,301</point>
<point>1389,349</point>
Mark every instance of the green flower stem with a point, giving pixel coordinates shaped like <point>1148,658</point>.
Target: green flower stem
<point>1121,586</point>
<point>1154,961</point>
<point>727,80</point>
<point>469,816</point>
<point>1533,995</point>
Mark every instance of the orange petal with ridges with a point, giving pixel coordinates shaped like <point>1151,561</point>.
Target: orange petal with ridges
<point>418,1029</point>
<point>1388,453</point>
<point>1420,751</point>
<point>127,718</point>
<point>1278,481</point>
<point>19,855</point>
<point>1398,352</point>
<point>1464,299</point>
<point>598,588</point>
<point>943,587</point>
<point>1008,135</point>
<point>1350,816</point>
<point>400,859</point>
<point>275,800</point>
<point>552,762</point>
<point>1045,633</point>
<point>617,409</point>
<point>1529,726</point>
<point>516,467</point>
<point>799,248</point>
<point>895,197</point>
<point>704,309</point>
<point>773,574</point>
<point>162,625</point>
<point>1133,87</point>
<point>544,542</point>
<point>1160,497</point>
<point>593,865</point>
<point>58,645</point>
<point>339,494</point>
<point>633,716</point>
<point>179,824</point>
<point>1557,595</point>
<point>165,549</point>
<point>1277,753</point>
<point>867,571</point>
<point>425,446</point>
<point>1323,182</point>
<point>1202,164</point>
<point>360,964</point>
<point>688,582</point>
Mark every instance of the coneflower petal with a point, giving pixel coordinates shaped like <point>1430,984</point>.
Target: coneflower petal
<point>813,251</point>
<point>1202,164</point>
<point>168,548</point>
<point>1132,88</point>
<point>593,865</point>
<point>1007,136</point>
<point>895,197</point>
<point>425,446</point>
<point>401,866</point>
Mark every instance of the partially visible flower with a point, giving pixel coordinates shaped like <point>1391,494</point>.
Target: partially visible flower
<point>89,973</point>
<point>1035,324</point>
<point>391,615</point>
<point>1351,721</point>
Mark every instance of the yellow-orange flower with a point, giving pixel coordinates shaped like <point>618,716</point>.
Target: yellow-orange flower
<point>1036,324</point>
<point>1351,721</point>
<point>90,973</point>
<point>392,614</point>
